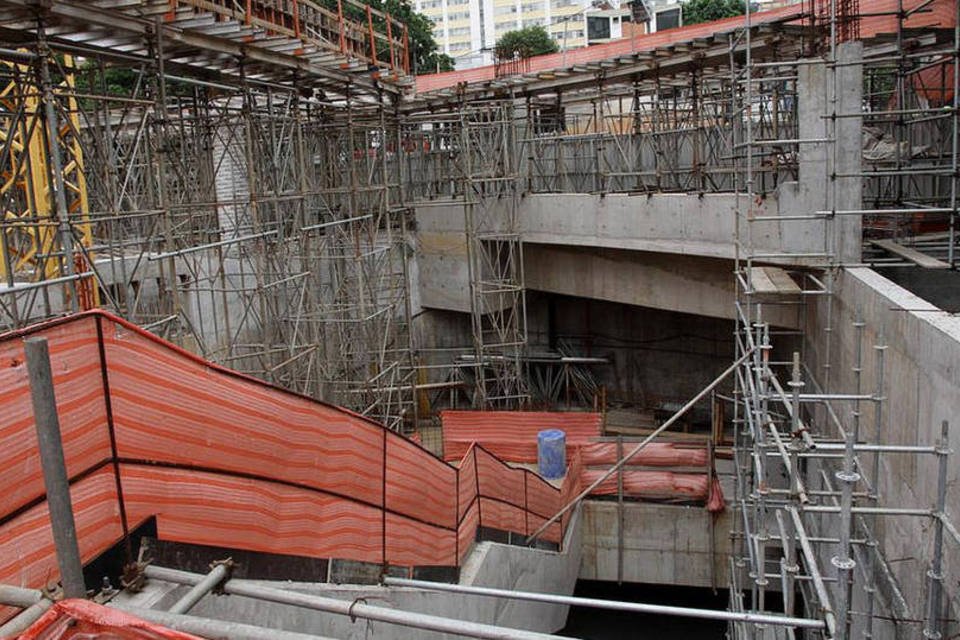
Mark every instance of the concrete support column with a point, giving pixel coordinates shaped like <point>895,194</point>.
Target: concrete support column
<point>848,152</point>
<point>829,99</point>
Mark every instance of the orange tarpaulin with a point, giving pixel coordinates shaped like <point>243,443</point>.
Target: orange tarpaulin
<point>84,620</point>
<point>219,458</point>
<point>512,435</point>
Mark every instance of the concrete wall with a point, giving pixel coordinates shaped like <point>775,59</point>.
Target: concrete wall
<point>938,287</point>
<point>664,544</point>
<point>922,388</point>
<point>675,223</point>
<point>489,564</point>
<point>670,224</point>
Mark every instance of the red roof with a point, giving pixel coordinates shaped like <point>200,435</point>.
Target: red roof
<point>940,13</point>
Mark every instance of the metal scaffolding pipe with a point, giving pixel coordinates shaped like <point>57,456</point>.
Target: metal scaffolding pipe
<point>814,570</point>
<point>354,609</point>
<point>216,629</point>
<point>22,621</point>
<point>12,596</point>
<point>635,607</point>
<point>615,468</point>
<point>202,588</point>
<point>934,623</point>
<point>54,468</point>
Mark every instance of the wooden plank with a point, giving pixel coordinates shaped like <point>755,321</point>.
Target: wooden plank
<point>914,256</point>
<point>760,281</point>
<point>782,281</point>
<point>772,280</point>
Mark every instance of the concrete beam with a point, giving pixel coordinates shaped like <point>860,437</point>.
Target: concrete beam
<point>674,223</point>
<point>686,284</point>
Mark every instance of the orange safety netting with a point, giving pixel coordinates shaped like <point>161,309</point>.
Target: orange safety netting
<point>512,436</point>
<point>83,620</point>
<point>219,458</point>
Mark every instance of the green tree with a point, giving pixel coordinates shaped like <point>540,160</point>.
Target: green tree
<point>424,56</point>
<point>696,11</point>
<point>526,42</point>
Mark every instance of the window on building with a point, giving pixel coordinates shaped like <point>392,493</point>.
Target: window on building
<point>668,19</point>
<point>598,28</point>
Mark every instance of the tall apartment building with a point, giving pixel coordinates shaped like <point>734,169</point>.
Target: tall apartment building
<point>467,30</point>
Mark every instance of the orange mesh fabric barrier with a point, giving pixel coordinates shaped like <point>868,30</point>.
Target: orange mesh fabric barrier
<point>652,484</point>
<point>80,402</point>
<point>513,499</point>
<point>84,620</point>
<point>655,454</point>
<point>222,459</point>
<point>512,435</point>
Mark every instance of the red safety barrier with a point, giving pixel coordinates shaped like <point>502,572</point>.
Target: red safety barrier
<point>658,485</point>
<point>219,458</point>
<point>512,435</point>
<point>84,620</point>
<point>655,454</point>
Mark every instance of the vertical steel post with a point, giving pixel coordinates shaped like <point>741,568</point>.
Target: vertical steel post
<point>340,23</point>
<point>620,511</point>
<point>373,40</point>
<point>51,134</point>
<point>54,467</point>
<point>933,627</point>
<point>875,480</point>
<point>842,561</point>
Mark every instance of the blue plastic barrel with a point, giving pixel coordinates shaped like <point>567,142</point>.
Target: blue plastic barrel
<point>552,453</point>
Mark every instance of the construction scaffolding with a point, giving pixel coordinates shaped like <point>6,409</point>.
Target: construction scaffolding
<point>242,182</point>
<point>250,214</point>
<point>875,126</point>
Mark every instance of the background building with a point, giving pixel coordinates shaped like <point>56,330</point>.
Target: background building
<point>467,30</point>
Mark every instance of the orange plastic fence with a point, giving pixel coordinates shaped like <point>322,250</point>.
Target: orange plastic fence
<point>513,436</point>
<point>83,620</point>
<point>655,454</point>
<point>219,458</point>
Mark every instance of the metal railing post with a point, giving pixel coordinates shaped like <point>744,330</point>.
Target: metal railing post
<point>54,467</point>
